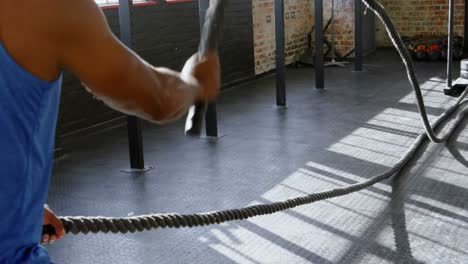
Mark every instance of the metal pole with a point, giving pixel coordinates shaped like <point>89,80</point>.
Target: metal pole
<point>333,29</point>
<point>280,54</point>
<point>358,35</point>
<point>450,44</point>
<point>319,63</point>
<point>211,120</point>
<point>465,39</point>
<point>135,138</point>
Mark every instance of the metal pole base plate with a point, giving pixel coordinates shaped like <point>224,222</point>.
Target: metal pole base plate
<point>336,64</point>
<point>281,107</point>
<point>213,138</point>
<point>138,171</point>
<point>456,90</point>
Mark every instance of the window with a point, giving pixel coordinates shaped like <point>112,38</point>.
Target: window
<point>107,2</point>
<point>116,2</point>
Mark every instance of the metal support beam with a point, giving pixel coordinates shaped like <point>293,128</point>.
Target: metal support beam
<point>135,138</point>
<point>280,54</point>
<point>465,28</point>
<point>319,61</point>
<point>450,44</point>
<point>358,35</point>
<point>211,120</point>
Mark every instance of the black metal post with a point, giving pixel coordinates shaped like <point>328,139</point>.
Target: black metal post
<point>450,44</point>
<point>465,26</point>
<point>211,120</point>
<point>319,61</point>
<point>135,138</point>
<point>358,35</point>
<point>280,54</point>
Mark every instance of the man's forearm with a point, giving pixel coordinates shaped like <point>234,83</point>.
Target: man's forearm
<point>160,95</point>
<point>177,91</point>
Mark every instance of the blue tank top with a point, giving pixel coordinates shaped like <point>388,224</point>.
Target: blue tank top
<point>28,114</point>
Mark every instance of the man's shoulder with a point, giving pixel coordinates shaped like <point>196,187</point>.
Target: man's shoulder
<point>40,9</point>
<point>31,8</point>
<point>23,13</point>
<point>29,26</point>
<point>51,17</point>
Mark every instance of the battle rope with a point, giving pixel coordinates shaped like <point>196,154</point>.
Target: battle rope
<point>379,10</point>
<point>85,225</point>
<point>211,35</point>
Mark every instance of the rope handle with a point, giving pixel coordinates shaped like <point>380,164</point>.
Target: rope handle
<point>210,36</point>
<point>48,230</point>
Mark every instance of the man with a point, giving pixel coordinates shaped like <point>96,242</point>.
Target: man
<point>37,40</point>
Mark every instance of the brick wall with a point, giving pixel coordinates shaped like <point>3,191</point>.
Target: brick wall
<point>344,23</point>
<point>420,17</point>
<point>298,15</point>
<point>299,19</point>
<point>165,35</point>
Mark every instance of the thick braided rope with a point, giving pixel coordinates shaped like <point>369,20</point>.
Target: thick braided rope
<point>85,225</point>
<point>380,12</point>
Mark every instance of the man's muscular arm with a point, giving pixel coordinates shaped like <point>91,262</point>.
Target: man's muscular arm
<point>119,77</point>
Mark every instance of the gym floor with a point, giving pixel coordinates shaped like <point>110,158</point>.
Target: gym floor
<point>358,127</point>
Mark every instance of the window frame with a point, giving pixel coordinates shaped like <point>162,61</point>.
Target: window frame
<point>111,4</point>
